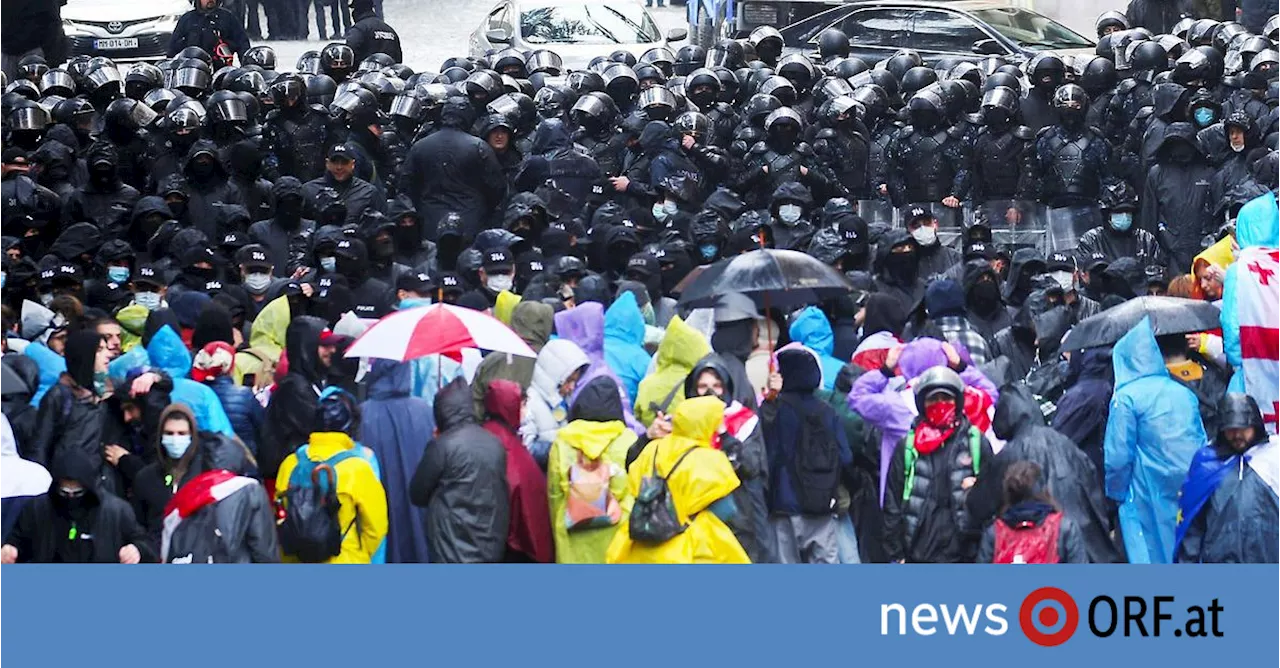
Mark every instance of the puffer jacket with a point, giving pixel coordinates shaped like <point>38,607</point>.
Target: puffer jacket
<point>242,409</point>
<point>548,411</point>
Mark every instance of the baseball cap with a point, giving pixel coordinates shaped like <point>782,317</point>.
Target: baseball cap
<point>1094,260</point>
<point>147,275</point>
<point>497,260</point>
<point>253,256</point>
<point>1059,262</point>
<point>340,152</point>
<point>911,213</point>
<point>415,281</point>
<point>980,251</point>
<point>642,266</point>
<point>451,283</point>
<point>63,273</point>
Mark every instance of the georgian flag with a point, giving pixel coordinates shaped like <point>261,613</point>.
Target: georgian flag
<point>1257,304</point>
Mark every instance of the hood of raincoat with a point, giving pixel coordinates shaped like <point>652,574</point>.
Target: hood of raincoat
<point>389,379</point>
<point>1136,355</point>
<point>1164,98</point>
<point>533,322</point>
<point>1016,412</point>
<point>735,339</point>
<point>70,464</point>
<point>551,138</point>
<point>526,205</point>
<point>623,321</point>
<point>168,353</point>
<point>1256,223</point>
<point>502,401</point>
<point>453,406</point>
<point>103,151</point>
<point>583,325</point>
<point>944,297</point>
<point>220,451</point>
<point>791,191</point>
<point>800,368</point>
<point>557,360</point>
<point>233,217</point>
<point>884,314</point>
<point>27,372</point>
<point>286,186</point>
<point>726,203</point>
<point>77,240</point>
<point>598,401</point>
<point>712,362</point>
<point>301,340</point>
<point>921,355</point>
<point>698,419</point>
<point>682,346</point>
<point>1091,363</point>
<point>812,329</point>
<point>149,205</point>
<point>1024,260</point>
<point>1177,133</point>
<point>270,328</point>
<point>656,136</point>
<point>54,157</point>
<point>81,352</point>
<point>245,160</point>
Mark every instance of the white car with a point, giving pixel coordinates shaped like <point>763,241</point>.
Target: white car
<point>576,30</point>
<point>122,30</point>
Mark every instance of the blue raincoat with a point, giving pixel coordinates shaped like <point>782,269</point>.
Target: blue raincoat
<point>1153,432</point>
<point>812,330</point>
<point>1256,225</point>
<point>167,352</point>
<point>397,427</point>
<point>624,342</point>
<point>51,364</point>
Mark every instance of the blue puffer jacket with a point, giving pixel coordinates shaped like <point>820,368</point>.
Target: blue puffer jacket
<point>242,409</point>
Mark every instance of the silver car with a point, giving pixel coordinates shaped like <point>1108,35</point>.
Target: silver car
<point>122,30</point>
<point>576,30</point>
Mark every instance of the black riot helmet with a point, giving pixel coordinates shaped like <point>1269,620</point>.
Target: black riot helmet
<point>623,56</point>
<point>828,88</point>
<point>688,59</point>
<point>308,63</point>
<point>482,87</point>
<point>197,53</point>
<point>247,81</point>
<point>518,108</point>
<point>142,77</point>
<point>657,102</point>
<point>158,99</point>
<point>703,88</point>
<point>729,84</point>
<point>621,83</point>
<point>1262,69</point>
<point>1099,76</point>
<point>1072,103</point>
<point>926,110</point>
<point>1272,28</point>
<point>593,111</point>
<point>192,80</point>
<point>1046,72</point>
<point>917,78</point>
<point>553,101</point>
<point>225,107</point>
<point>183,120</point>
<point>798,70</point>
<point>1148,56</point>
<point>759,107</point>
<point>726,53</point>
<point>288,90</point>
<point>873,99</point>
<point>262,56</point>
<point>1193,69</point>
<point>1203,31</point>
<point>1003,79</point>
<point>767,42</point>
<point>28,117</point>
<point>338,61</point>
<point>1109,22</point>
<point>900,64</point>
<point>544,61</point>
<point>105,82</point>
<point>694,124</point>
<point>833,43</point>
<point>662,58</point>
<point>882,78</point>
<point>648,75</point>
<point>32,67</point>
<point>999,108</point>
<point>356,106</point>
<point>375,62</point>
<point>848,67</point>
<point>584,81</point>
<point>60,83</point>
<point>129,114</point>
<point>24,87</point>
<point>780,88</point>
<point>510,62</point>
<point>784,126</point>
<point>967,71</point>
<point>1173,46</point>
<point>321,89</point>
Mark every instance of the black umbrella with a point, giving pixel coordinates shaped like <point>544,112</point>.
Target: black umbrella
<point>1169,315</point>
<point>773,278</point>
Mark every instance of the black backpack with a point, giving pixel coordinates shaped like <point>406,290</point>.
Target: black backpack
<point>653,517</point>
<point>815,472</point>
<point>310,530</point>
<point>197,539</point>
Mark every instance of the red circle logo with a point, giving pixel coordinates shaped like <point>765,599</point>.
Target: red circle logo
<point>1048,616</point>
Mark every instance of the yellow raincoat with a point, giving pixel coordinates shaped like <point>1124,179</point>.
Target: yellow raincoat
<point>505,305</point>
<point>609,440</point>
<point>133,320</point>
<point>266,343</point>
<point>681,348</point>
<point>704,477</point>
<point>1221,254</point>
<point>360,494</point>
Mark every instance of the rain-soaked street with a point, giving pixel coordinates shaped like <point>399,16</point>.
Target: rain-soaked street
<point>433,30</point>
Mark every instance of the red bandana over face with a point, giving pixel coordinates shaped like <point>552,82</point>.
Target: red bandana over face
<point>938,424</point>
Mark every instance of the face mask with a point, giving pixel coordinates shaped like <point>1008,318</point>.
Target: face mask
<point>71,499</point>
<point>147,300</point>
<point>708,251</point>
<point>329,263</point>
<point>1204,117</point>
<point>100,383</point>
<point>257,283</point>
<point>178,209</point>
<point>407,239</point>
<point>118,274</point>
<point>1121,221</point>
<point>902,266</point>
<point>500,282</point>
<point>175,445</point>
<point>985,296</point>
<point>1065,280</point>
<point>383,249</point>
<point>202,170</point>
<point>659,212</point>
<point>789,213</point>
<point>941,414</point>
<point>925,235</point>
<point>103,175</point>
<point>46,298</point>
<point>413,302</point>
<point>1237,147</point>
<point>289,210</point>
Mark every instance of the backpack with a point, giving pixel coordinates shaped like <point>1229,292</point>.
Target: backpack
<point>910,455</point>
<point>197,539</point>
<point>590,504</point>
<point>815,471</point>
<point>310,529</point>
<point>653,517</point>
<point>1028,544</point>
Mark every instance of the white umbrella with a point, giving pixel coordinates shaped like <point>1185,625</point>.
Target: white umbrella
<point>438,329</point>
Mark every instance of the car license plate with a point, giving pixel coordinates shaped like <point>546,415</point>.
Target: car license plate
<point>116,43</point>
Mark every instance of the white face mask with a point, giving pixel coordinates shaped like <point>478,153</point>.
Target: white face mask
<point>175,445</point>
<point>257,283</point>
<point>500,282</point>
<point>1065,280</point>
<point>147,300</point>
<point>46,298</point>
<point>925,235</point>
<point>329,263</point>
<point>790,213</point>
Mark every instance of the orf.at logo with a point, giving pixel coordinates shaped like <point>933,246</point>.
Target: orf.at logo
<point>1048,616</point>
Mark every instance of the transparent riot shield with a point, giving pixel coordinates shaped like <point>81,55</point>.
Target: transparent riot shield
<point>1013,223</point>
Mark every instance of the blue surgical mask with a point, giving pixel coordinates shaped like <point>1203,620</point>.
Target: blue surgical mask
<point>1121,221</point>
<point>790,213</point>
<point>708,251</point>
<point>329,263</point>
<point>118,274</point>
<point>257,283</point>
<point>1204,116</point>
<point>413,302</point>
<point>175,445</point>
<point>659,212</point>
<point>147,300</point>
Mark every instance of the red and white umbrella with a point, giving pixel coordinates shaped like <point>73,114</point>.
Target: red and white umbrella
<point>438,329</point>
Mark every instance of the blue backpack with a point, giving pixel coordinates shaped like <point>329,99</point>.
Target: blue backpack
<point>310,530</point>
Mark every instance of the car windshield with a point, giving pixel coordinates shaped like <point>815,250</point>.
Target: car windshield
<point>1030,30</point>
<point>619,23</point>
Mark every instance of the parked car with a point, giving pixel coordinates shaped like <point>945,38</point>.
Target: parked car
<point>577,30</point>
<point>120,30</point>
<point>713,20</point>
<point>969,30</point>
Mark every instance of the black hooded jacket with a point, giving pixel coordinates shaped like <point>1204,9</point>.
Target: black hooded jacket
<point>107,202</point>
<point>51,531</point>
<point>987,318</point>
<point>554,159</point>
<point>733,343</point>
<point>16,398</point>
<point>1177,195</point>
<point>370,34</point>
<point>452,171</point>
<point>907,287</point>
<point>286,237</point>
<point>207,192</point>
<point>290,414</point>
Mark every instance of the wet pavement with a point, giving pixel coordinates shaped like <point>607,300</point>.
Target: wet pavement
<point>433,30</point>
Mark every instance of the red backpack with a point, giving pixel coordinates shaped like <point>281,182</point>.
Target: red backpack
<point>1028,543</point>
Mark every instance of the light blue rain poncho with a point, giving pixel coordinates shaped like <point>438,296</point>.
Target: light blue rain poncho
<point>1153,432</point>
<point>812,330</point>
<point>167,353</point>
<point>624,350</point>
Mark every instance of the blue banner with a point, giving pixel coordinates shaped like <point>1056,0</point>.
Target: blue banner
<point>645,616</point>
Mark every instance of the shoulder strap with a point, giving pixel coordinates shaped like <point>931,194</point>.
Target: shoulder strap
<point>975,449</point>
<point>666,403</point>
<point>676,465</point>
<point>909,456</point>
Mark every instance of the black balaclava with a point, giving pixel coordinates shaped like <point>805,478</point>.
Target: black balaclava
<point>903,267</point>
<point>81,351</point>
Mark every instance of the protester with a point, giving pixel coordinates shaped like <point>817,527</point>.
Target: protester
<point>1030,528</point>
<point>529,529</point>
<point>397,427</point>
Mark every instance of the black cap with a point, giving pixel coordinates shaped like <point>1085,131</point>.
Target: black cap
<point>340,152</point>
<point>452,283</point>
<point>14,154</point>
<point>416,281</point>
<point>148,274</point>
<point>642,266</point>
<point>980,251</point>
<point>449,226</point>
<point>1059,262</point>
<point>853,231</point>
<point>1094,260</point>
<point>911,213</point>
<point>497,260</point>
<point>65,272</point>
<point>234,241</point>
<point>253,256</point>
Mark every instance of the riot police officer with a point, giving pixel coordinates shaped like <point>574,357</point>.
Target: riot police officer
<point>928,162</point>
<point>370,34</point>
<point>295,133</point>
<point>1071,165</point>
<point>1002,155</point>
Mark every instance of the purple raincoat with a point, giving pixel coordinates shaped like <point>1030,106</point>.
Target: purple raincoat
<point>584,325</point>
